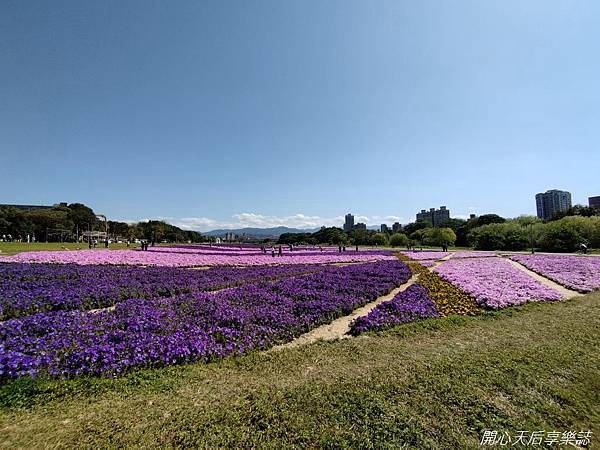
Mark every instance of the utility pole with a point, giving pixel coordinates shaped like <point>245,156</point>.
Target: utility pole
<point>531,238</point>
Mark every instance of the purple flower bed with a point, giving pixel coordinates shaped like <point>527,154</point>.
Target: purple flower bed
<point>581,273</point>
<point>30,288</point>
<point>188,327</point>
<point>494,282</point>
<point>407,306</point>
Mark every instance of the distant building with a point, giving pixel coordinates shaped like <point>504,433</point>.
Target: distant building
<point>230,237</point>
<point>360,226</point>
<point>594,202</point>
<point>349,222</point>
<point>434,216</point>
<point>550,202</point>
<point>384,228</point>
<point>396,227</point>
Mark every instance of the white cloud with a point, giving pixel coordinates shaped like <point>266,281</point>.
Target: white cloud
<point>255,220</point>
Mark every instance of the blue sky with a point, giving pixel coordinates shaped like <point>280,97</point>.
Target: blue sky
<point>221,113</point>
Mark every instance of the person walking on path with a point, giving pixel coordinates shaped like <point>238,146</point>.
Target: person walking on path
<point>279,251</point>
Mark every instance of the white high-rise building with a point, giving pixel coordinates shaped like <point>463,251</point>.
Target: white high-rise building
<point>550,202</point>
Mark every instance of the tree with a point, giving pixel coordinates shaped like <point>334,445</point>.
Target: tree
<point>516,237</point>
<point>525,221</point>
<point>415,226</point>
<point>398,240</point>
<point>434,236</point>
<point>487,237</point>
<point>576,210</point>
<point>559,236</point>
<point>439,236</point>
<point>486,219</point>
<point>453,224</point>
<point>379,239</point>
<point>81,215</point>
<point>118,228</point>
<point>331,235</point>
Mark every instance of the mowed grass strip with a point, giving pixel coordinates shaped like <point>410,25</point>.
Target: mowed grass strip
<point>12,248</point>
<point>437,383</point>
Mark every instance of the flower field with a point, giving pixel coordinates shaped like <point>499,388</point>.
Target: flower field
<point>580,273</point>
<point>187,326</point>
<point>30,288</point>
<point>407,306</point>
<point>150,309</point>
<point>199,256</point>
<point>494,282</point>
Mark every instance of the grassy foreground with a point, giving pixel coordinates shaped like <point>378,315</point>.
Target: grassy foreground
<point>12,248</point>
<point>433,384</point>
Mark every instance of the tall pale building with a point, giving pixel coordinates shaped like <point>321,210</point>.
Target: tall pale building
<point>435,217</point>
<point>349,222</point>
<point>551,202</point>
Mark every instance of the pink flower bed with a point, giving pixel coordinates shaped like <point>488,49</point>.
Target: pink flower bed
<point>472,254</point>
<point>248,251</point>
<point>581,273</point>
<point>176,259</point>
<point>418,256</point>
<point>494,282</point>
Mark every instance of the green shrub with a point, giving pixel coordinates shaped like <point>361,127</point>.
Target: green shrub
<point>559,236</point>
<point>398,240</point>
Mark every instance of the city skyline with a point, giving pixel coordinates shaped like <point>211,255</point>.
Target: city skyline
<point>306,222</point>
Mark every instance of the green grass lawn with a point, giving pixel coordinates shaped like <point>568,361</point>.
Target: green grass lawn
<point>12,248</point>
<point>434,384</point>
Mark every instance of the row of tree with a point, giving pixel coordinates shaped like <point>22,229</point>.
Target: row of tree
<point>67,223</point>
<point>564,233</point>
<point>334,235</point>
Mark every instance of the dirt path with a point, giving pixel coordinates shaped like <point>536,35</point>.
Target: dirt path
<point>339,328</point>
<point>94,311</point>
<point>566,293</point>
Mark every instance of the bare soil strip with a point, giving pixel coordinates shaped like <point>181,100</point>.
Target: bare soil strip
<point>94,311</point>
<point>566,293</point>
<point>339,328</point>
